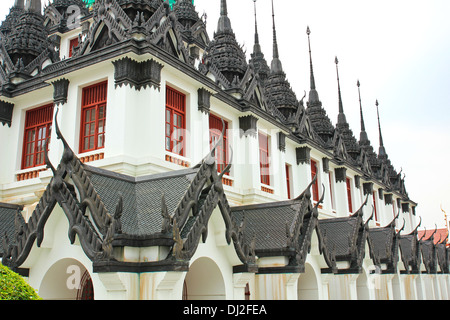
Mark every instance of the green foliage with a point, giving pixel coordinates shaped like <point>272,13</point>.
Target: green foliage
<point>14,287</point>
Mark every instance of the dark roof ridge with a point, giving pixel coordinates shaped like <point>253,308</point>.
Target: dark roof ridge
<point>145,178</point>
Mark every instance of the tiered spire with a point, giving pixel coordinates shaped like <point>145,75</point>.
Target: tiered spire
<point>224,51</point>
<point>11,19</point>
<point>341,116</point>
<point>363,138</point>
<point>319,119</point>
<point>185,12</point>
<point>276,66</point>
<point>257,57</point>
<point>343,127</point>
<point>381,150</point>
<point>278,89</point>
<point>28,37</point>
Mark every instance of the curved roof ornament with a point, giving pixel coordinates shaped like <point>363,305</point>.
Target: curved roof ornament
<point>360,212</point>
<point>370,218</point>
<point>47,159</point>
<point>68,154</point>
<point>434,232</point>
<point>307,191</point>
<point>402,228</point>
<point>229,165</point>
<point>211,158</point>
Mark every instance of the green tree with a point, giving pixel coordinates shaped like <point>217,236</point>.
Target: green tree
<point>14,287</point>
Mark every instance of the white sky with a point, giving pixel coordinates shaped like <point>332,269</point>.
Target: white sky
<point>400,52</point>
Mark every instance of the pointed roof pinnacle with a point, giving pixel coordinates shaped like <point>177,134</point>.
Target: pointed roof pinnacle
<point>381,150</point>
<point>341,116</point>
<point>33,6</point>
<point>313,95</point>
<point>224,24</point>
<point>363,135</point>
<point>256,47</point>
<point>313,83</point>
<point>276,66</point>
<point>19,4</point>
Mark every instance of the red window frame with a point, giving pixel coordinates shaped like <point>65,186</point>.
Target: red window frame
<point>38,126</point>
<point>349,195</point>
<point>264,158</point>
<point>375,206</point>
<point>288,181</point>
<point>315,185</point>
<point>175,122</point>
<point>331,191</point>
<point>72,43</point>
<point>93,117</point>
<point>215,131</point>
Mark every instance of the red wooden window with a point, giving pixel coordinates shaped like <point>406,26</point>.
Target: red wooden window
<point>93,117</point>
<point>215,131</point>
<point>175,121</point>
<point>38,125</point>
<point>315,186</point>
<point>349,195</point>
<point>288,181</point>
<point>264,158</point>
<point>72,43</point>
<point>375,206</point>
<point>330,178</point>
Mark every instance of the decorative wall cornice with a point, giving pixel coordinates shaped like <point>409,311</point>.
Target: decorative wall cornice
<point>137,74</point>
<point>6,112</point>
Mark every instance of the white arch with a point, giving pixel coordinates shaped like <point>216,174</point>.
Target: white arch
<point>63,280</point>
<point>204,281</point>
<point>363,286</point>
<point>308,284</point>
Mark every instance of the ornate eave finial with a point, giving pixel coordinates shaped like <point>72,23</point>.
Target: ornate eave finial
<point>341,116</point>
<point>381,150</point>
<point>363,134</point>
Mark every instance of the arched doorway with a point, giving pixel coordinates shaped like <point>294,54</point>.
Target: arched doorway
<point>362,287</point>
<point>307,288</point>
<point>204,281</point>
<point>67,279</point>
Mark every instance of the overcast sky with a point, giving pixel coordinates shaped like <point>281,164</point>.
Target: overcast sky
<point>400,52</point>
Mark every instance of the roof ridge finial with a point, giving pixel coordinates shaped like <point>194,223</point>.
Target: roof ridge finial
<point>341,116</point>
<point>363,134</point>
<point>381,150</point>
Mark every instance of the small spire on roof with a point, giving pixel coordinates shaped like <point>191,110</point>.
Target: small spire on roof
<point>341,116</point>
<point>256,47</point>
<point>224,24</point>
<point>363,134</point>
<point>276,63</point>
<point>381,150</point>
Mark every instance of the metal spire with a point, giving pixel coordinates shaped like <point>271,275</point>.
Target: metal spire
<point>19,4</point>
<point>33,6</point>
<point>363,134</point>
<point>256,47</point>
<point>313,82</point>
<point>276,66</point>
<point>224,24</point>
<point>381,150</point>
<point>341,116</point>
